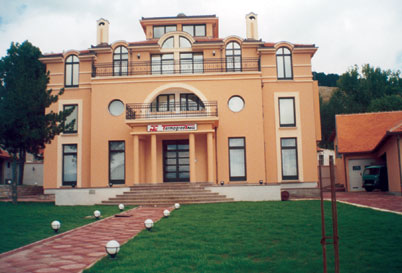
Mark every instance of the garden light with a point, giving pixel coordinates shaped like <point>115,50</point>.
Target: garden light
<point>177,206</point>
<point>97,214</point>
<point>112,248</point>
<point>261,182</point>
<point>121,207</point>
<point>166,213</point>
<point>222,183</point>
<point>149,224</point>
<point>55,225</point>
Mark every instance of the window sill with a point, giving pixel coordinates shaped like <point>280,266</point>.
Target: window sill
<point>69,134</point>
<point>287,128</point>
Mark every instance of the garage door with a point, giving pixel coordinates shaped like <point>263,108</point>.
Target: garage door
<point>356,168</point>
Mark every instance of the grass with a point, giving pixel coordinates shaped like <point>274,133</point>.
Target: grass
<point>261,237</point>
<point>25,223</point>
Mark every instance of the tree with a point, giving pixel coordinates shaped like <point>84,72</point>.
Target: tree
<point>371,90</point>
<point>25,127</point>
<point>325,79</point>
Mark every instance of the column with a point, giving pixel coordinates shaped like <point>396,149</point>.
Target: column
<point>136,159</point>
<point>153,159</point>
<point>210,147</point>
<point>193,175</point>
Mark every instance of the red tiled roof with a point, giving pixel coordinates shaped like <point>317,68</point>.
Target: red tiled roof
<point>207,40</point>
<point>359,133</point>
<point>396,129</point>
<point>146,42</point>
<point>4,154</point>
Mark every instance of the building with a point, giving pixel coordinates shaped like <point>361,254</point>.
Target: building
<point>368,139</point>
<point>184,105</point>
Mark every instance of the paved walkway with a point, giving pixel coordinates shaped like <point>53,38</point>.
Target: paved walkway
<point>377,200</point>
<point>75,250</point>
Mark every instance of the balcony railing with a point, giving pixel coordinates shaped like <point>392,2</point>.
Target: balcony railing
<point>171,110</point>
<point>174,67</point>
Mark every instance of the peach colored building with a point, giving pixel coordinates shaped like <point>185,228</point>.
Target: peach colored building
<point>184,105</point>
<point>368,139</point>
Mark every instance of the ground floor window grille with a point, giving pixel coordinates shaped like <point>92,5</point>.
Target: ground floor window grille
<point>237,159</point>
<point>117,162</point>
<point>69,165</point>
<point>289,159</point>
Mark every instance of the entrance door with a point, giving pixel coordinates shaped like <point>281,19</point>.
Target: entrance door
<point>176,161</point>
<point>356,169</point>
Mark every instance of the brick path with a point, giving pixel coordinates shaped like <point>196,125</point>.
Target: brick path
<point>75,250</point>
<point>377,200</point>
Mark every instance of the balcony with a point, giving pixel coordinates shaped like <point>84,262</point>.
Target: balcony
<point>148,111</point>
<point>213,65</point>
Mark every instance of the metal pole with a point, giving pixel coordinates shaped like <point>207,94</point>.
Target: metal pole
<point>323,241</point>
<point>334,214</point>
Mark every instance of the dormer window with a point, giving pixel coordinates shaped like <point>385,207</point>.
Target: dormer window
<point>195,30</point>
<point>72,70</point>
<point>120,61</point>
<point>159,31</point>
<point>233,57</point>
<point>284,63</point>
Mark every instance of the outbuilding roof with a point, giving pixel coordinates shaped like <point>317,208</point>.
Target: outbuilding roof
<point>359,133</point>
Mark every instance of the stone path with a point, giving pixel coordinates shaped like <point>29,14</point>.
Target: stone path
<point>75,250</point>
<point>376,200</point>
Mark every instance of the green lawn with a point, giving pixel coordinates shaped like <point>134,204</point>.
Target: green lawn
<point>261,237</point>
<point>25,223</point>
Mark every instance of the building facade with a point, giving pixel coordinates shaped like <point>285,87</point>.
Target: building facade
<point>184,105</point>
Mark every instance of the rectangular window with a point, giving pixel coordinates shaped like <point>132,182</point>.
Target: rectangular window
<point>195,30</point>
<point>162,64</point>
<point>191,63</point>
<point>160,30</point>
<point>71,119</point>
<point>117,162</point>
<point>289,159</point>
<point>69,165</point>
<point>287,116</point>
<point>237,159</point>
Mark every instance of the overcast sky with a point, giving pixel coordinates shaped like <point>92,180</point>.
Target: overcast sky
<point>347,32</point>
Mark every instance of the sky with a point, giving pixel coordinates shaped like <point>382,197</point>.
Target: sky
<point>346,32</point>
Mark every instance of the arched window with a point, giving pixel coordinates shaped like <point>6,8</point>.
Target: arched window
<point>120,61</point>
<point>168,43</point>
<point>184,42</point>
<point>72,71</point>
<point>284,63</point>
<point>233,57</point>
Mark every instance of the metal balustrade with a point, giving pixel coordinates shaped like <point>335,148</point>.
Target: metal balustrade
<point>170,110</point>
<point>168,67</point>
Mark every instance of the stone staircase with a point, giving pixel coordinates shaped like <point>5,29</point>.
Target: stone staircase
<point>22,190</point>
<point>167,194</point>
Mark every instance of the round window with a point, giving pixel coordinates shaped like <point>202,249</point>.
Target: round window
<point>116,107</point>
<point>236,103</point>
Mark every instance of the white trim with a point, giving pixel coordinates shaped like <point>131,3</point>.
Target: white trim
<point>70,139</point>
<point>282,132</point>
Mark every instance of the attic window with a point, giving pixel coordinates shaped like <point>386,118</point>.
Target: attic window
<point>101,23</point>
<point>252,18</point>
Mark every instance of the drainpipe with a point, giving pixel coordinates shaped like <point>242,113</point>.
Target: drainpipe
<point>399,160</point>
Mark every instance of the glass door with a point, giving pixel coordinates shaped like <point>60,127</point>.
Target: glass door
<point>176,161</point>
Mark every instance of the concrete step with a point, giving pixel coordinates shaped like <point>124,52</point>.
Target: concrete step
<point>162,203</point>
<point>165,193</point>
<point>167,199</point>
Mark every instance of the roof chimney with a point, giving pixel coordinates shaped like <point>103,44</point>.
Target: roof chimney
<point>252,26</point>
<point>102,35</point>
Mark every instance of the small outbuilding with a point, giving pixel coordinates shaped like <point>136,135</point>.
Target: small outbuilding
<point>368,139</point>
